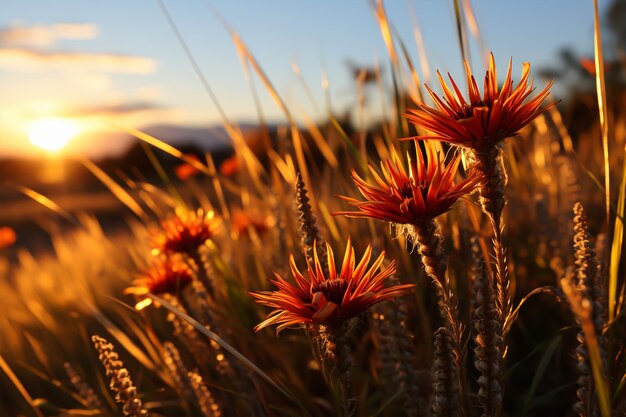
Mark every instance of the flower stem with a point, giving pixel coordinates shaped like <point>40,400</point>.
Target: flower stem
<point>429,239</point>
<point>203,273</point>
<point>492,201</point>
<point>337,351</point>
<point>430,246</point>
<point>488,339</point>
<point>445,398</point>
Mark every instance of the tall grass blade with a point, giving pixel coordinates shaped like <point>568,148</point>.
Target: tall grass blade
<point>162,174</point>
<point>130,346</point>
<point>46,202</point>
<point>620,387</point>
<point>296,136</point>
<point>321,143</point>
<point>540,372</point>
<point>18,384</point>
<point>461,32</point>
<point>233,131</point>
<point>194,63</point>
<point>421,49</point>
<point>230,349</point>
<point>616,246</point>
<point>417,83</point>
<point>602,106</point>
<point>472,22</point>
<point>117,190</point>
<point>167,148</point>
<point>385,31</point>
<point>513,316</point>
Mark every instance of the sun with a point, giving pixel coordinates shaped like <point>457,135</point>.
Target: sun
<point>52,134</point>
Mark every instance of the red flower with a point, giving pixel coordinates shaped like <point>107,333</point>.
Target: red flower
<point>426,191</point>
<point>243,221</point>
<point>186,233</point>
<point>480,121</point>
<point>166,276</point>
<point>319,299</point>
<point>7,237</point>
<point>185,170</point>
<point>230,166</point>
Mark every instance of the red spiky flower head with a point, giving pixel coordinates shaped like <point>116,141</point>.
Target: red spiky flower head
<point>319,299</point>
<point>186,232</point>
<point>425,191</point>
<point>480,121</point>
<point>165,276</point>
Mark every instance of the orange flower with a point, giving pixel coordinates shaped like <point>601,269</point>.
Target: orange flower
<point>243,221</point>
<point>230,166</point>
<point>319,299</point>
<point>425,192</point>
<point>7,237</point>
<point>481,121</point>
<point>166,276</point>
<point>186,233</point>
<point>185,171</point>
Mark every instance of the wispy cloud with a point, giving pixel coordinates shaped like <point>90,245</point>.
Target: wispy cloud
<point>112,110</point>
<point>40,35</point>
<point>28,59</point>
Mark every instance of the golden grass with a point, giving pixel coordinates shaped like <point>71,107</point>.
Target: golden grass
<point>82,280</point>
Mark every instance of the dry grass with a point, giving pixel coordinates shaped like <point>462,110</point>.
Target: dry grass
<point>194,352</point>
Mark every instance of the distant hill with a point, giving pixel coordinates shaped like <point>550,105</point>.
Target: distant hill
<point>32,172</point>
<point>207,139</point>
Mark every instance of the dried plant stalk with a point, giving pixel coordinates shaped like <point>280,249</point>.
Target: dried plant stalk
<point>488,339</point>
<point>590,284</point>
<point>121,383</point>
<point>585,405</point>
<point>82,387</point>
<point>311,235</point>
<point>207,403</point>
<point>234,373</point>
<point>178,370</point>
<point>589,272</point>
<point>398,359</point>
<point>429,239</point>
<point>204,272</point>
<point>201,299</point>
<point>582,309</point>
<point>188,336</point>
<point>446,401</point>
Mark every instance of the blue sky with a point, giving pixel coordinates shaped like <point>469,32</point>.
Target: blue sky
<point>146,67</point>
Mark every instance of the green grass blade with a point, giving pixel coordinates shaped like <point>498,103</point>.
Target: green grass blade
<point>540,372</point>
<point>616,246</point>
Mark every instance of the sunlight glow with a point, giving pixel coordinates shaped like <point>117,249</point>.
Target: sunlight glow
<point>52,134</point>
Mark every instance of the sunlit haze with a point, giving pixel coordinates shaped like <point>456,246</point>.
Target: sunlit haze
<point>121,61</point>
<point>52,134</point>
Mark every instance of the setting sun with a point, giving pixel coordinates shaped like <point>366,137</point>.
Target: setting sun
<point>52,134</point>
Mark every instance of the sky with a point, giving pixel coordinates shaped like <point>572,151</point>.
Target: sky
<point>106,64</point>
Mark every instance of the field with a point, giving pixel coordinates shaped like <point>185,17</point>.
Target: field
<point>463,257</point>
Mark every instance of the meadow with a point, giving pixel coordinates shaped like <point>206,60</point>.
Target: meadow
<point>463,257</point>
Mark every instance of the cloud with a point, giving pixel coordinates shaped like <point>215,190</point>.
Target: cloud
<point>28,59</point>
<point>46,35</point>
<point>112,110</point>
